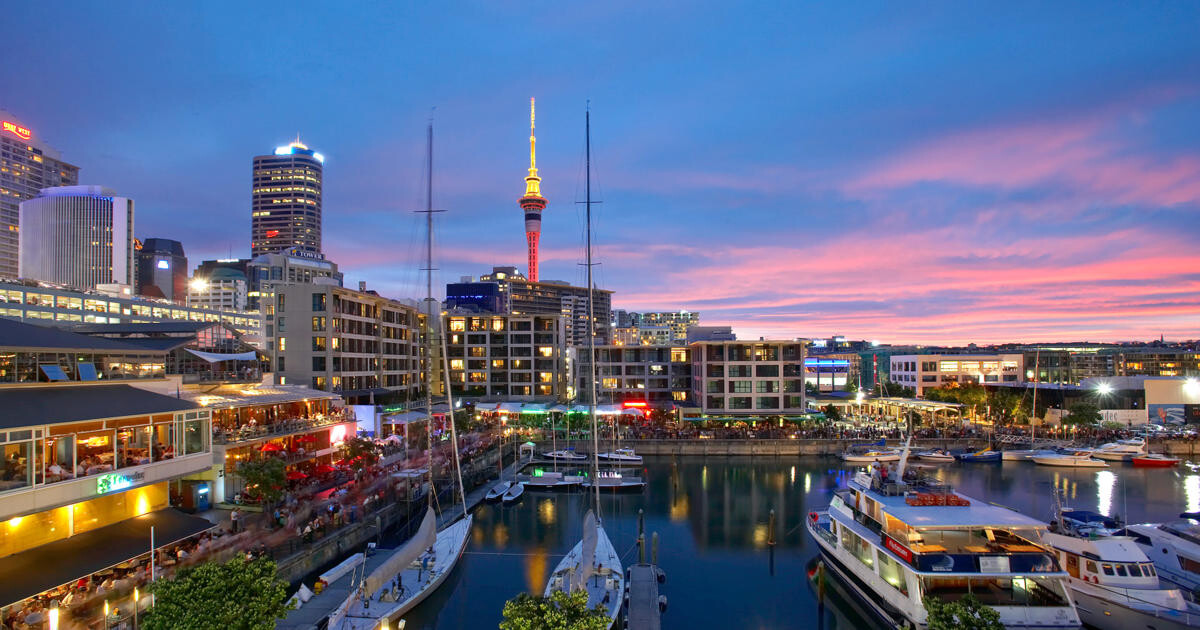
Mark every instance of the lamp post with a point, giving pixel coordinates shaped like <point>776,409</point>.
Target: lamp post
<point>137,600</point>
<point>106,614</point>
<point>1103,392</point>
<point>52,616</point>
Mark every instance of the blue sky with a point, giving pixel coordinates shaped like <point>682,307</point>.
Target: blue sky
<point>907,172</point>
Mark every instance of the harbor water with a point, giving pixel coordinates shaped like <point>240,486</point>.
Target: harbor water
<point>712,518</point>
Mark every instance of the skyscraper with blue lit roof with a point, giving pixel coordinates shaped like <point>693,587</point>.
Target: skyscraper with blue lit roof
<point>286,201</point>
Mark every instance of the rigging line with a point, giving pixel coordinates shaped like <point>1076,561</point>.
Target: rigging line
<point>521,555</point>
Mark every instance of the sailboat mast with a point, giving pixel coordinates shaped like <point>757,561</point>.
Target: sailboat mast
<point>591,314</point>
<point>429,308</point>
<point>1033,411</point>
<point>450,403</point>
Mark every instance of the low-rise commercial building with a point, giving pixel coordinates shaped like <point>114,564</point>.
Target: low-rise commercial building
<point>930,371</point>
<point>748,378</point>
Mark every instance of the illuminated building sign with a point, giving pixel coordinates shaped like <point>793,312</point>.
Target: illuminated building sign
<point>118,481</point>
<point>164,264</point>
<point>17,130</point>
<point>272,233</point>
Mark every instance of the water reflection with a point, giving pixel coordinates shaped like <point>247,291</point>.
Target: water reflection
<point>1106,481</point>
<point>1191,490</point>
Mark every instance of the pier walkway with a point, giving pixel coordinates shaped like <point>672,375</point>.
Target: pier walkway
<point>643,612</point>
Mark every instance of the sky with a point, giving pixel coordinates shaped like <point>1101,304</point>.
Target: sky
<point>902,172</point>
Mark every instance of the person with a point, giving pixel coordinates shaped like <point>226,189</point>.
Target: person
<point>233,520</point>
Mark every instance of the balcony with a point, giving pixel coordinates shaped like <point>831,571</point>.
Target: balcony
<point>250,433</point>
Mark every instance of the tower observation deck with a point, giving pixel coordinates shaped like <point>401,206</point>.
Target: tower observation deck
<point>533,202</point>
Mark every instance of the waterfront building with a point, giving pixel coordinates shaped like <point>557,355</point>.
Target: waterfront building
<point>655,328</point>
<point>657,376</point>
<point>78,236</point>
<point>710,333</point>
<point>161,269</point>
<point>44,303</point>
<point>355,343</point>
<point>507,357</point>
<point>748,378</point>
<point>285,201</point>
<point>833,372</point>
<point>90,465</point>
<point>930,371</point>
<point>27,165</point>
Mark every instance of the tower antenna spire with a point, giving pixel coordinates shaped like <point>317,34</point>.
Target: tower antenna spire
<point>533,202</point>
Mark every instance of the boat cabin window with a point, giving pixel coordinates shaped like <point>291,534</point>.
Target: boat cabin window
<point>891,573</point>
<point>1108,569</point>
<point>1148,570</point>
<point>1121,570</point>
<point>1134,570</point>
<point>1187,564</point>
<point>999,591</point>
<point>1091,567</point>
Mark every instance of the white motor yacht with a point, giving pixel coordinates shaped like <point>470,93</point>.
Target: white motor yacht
<point>1115,585</point>
<point>622,456</point>
<point>1121,450</point>
<point>936,456</point>
<point>615,481</point>
<point>550,481</point>
<point>895,544</point>
<point>869,456</point>
<point>1175,549</point>
<point>566,454</point>
<point>1077,459</point>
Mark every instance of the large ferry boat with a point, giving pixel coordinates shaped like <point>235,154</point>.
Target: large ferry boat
<point>896,543</point>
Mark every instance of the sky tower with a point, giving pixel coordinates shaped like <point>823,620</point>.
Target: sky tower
<point>533,202</point>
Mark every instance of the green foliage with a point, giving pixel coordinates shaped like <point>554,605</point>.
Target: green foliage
<point>832,412</point>
<point>265,477</point>
<point>236,595</point>
<point>894,390</point>
<point>360,452</point>
<point>560,611</point>
<point>967,612</point>
<point>1082,413</point>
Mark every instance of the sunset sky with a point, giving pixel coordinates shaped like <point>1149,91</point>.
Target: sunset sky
<point>953,173</point>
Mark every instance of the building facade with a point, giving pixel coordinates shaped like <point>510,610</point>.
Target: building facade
<point>519,296</point>
<point>285,201</point>
<point>161,269</point>
<point>748,378</point>
<point>507,357</point>
<point>354,343</point>
<point>930,371</point>
<point>27,165</point>
<point>264,272</point>
<point>660,376</point>
<point>223,290</point>
<point>78,236</point>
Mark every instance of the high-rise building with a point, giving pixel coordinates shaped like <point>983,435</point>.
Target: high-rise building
<point>525,297</point>
<point>26,166</point>
<point>288,267</point>
<point>223,289</point>
<point>285,201</point>
<point>78,236</point>
<point>533,203</point>
<point>161,269</point>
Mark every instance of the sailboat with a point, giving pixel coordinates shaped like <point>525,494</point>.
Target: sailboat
<point>592,565</point>
<point>418,567</point>
<point>502,487</point>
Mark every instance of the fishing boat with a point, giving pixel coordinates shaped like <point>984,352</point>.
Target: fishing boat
<point>895,543</point>
<point>1121,450</point>
<point>937,456</point>
<point>1070,460</point>
<point>497,491</point>
<point>1154,460</point>
<point>1175,549</point>
<point>417,568</point>
<point>622,456</point>
<point>592,565</point>
<point>872,455</point>
<point>985,456</point>
<point>1115,585</point>
<point>513,494</point>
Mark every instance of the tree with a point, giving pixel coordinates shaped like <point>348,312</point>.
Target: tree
<point>895,390</point>
<point>833,413</point>
<point>560,611</point>
<point>264,477</point>
<point>1082,413</point>
<point>236,595</point>
<point>967,612</point>
<point>360,452</point>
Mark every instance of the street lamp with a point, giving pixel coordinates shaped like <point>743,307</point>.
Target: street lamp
<point>52,616</point>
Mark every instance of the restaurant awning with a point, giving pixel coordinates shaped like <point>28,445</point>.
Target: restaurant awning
<point>25,574</point>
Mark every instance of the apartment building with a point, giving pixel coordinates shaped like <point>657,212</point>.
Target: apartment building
<point>930,371</point>
<point>354,343</point>
<point>507,357</point>
<point>657,376</point>
<point>748,378</point>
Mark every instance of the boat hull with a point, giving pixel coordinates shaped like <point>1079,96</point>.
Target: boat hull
<point>1104,614</point>
<point>514,494</point>
<point>1070,462</point>
<point>606,556</point>
<point>497,491</point>
<point>1145,462</point>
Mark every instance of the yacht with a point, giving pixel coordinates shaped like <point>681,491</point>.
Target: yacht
<point>897,543</point>
<point>937,456</point>
<point>1114,584</point>
<point>1074,459</point>
<point>551,481</point>
<point>622,456</point>
<point>613,480</point>
<point>1025,454</point>
<point>1121,450</point>
<point>566,454</point>
<point>1174,548</point>
<point>870,456</point>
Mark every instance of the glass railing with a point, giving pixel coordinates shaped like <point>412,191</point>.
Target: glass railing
<point>285,427</point>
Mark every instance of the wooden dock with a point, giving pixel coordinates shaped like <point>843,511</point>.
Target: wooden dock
<point>643,612</point>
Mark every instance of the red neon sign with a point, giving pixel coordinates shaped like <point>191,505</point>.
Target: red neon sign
<point>272,233</point>
<point>635,403</point>
<point>898,549</point>
<point>17,130</point>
